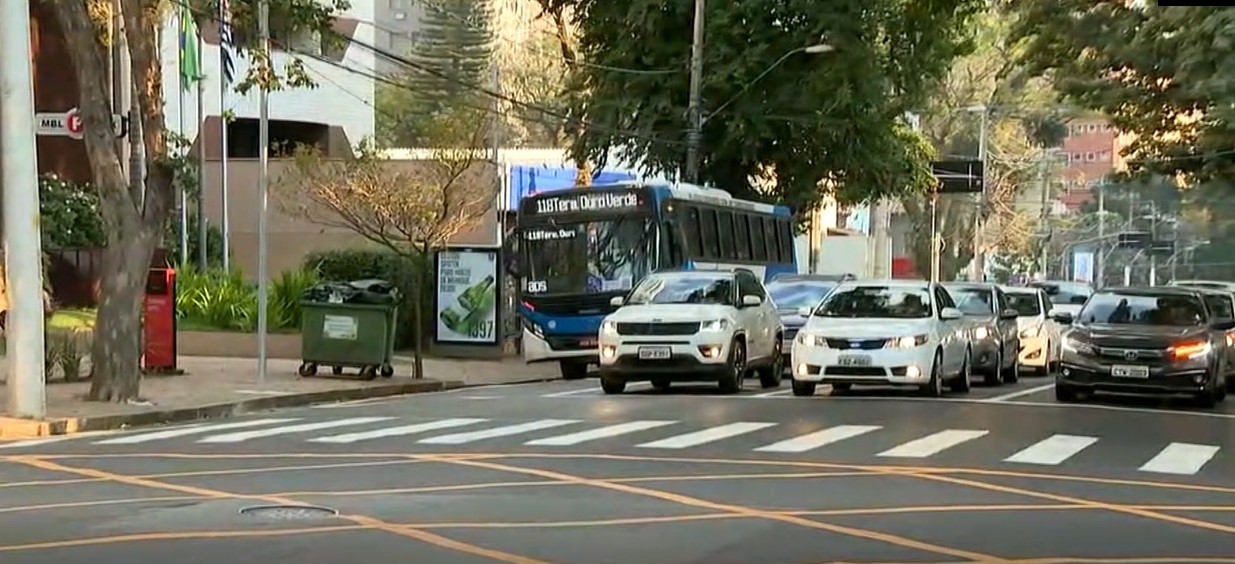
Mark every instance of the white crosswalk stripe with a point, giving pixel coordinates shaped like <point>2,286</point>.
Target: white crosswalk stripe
<point>933,444</point>
<point>504,431</point>
<point>397,431</point>
<point>1052,450</point>
<point>817,439</point>
<point>242,436</point>
<point>33,442</point>
<point>198,429</point>
<point>708,435</point>
<point>1180,458</point>
<point>601,433</point>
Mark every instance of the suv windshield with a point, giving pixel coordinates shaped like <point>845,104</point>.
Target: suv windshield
<point>973,301</point>
<point>1140,309</point>
<point>684,289</point>
<point>877,301</point>
<point>1026,305</point>
<point>1065,293</point>
<point>796,294</point>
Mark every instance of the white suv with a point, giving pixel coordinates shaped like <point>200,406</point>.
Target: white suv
<point>898,332</point>
<point>692,326</point>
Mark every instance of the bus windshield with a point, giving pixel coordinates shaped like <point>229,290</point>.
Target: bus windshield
<point>587,257</point>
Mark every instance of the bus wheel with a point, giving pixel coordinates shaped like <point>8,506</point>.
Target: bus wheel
<point>573,369</point>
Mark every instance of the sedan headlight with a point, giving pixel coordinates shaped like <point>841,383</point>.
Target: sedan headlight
<point>608,328</point>
<point>981,333</point>
<point>907,342</point>
<point>715,325</point>
<point>812,340</point>
<point>1030,332</point>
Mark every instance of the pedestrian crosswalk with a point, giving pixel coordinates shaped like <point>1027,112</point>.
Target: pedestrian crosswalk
<point>840,441</point>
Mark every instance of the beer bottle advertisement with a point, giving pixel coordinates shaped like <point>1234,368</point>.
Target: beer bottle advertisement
<point>467,296</point>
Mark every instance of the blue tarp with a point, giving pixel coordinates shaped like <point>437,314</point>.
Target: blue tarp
<point>526,180</point>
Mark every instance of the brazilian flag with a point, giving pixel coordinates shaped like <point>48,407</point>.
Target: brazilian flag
<point>190,73</point>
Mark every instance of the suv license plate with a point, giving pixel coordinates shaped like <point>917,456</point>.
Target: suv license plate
<point>655,353</point>
<point>1123,371</point>
<point>854,360</point>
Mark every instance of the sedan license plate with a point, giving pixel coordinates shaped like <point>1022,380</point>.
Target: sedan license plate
<point>854,360</point>
<point>655,353</point>
<point>1124,371</point>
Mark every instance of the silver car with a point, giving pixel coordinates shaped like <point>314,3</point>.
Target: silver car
<point>994,338</point>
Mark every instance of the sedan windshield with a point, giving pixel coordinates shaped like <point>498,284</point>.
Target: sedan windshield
<point>973,301</point>
<point>877,302</point>
<point>799,293</point>
<point>1065,293</point>
<point>1026,305</point>
<point>1136,309</point>
<point>684,289</point>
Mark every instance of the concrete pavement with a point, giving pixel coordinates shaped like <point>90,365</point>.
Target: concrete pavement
<point>557,472</point>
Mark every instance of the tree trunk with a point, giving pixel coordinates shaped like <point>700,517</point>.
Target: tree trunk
<point>117,330</point>
<point>570,54</point>
<point>424,284</point>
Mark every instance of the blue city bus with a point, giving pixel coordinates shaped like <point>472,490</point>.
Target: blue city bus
<point>577,249</point>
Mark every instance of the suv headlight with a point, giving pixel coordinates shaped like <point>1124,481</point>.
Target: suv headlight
<point>715,325</point>
<point>1030,332</point>
<point>1072,344</point>
<point>608,328</point>
<point>811,340</point>
<point>907,342</point>
<point>981,333</point>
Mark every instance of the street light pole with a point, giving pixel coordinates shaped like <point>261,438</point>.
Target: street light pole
<point>263,182</point>
<point>694,134</point>
<point>979,252</point>
<point>1101,256</point>
<point>22,241</point>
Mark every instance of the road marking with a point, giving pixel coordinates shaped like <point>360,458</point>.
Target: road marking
<point>33,442</point>
<point>1020,393</point>
<point>190,430</point>
<point>1052,450</point>
<point>246,435</point>
<point>503,431</point>
<point>933,444</point>
<point>569,393</point>
<point>1180,458</point>
<point>601,433</point>
<point>708,435</point>
<point>397,431</point>
<point>817,439</point>
<point>773,393</point>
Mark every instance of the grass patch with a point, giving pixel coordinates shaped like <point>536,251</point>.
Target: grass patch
<point>70,319</point>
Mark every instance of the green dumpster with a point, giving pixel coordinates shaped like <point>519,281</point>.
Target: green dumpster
<point>349,325</point>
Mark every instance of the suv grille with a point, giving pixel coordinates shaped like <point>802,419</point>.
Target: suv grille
<point>657,329</point>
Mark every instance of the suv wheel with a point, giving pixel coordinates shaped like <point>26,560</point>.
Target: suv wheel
<point>735,376</point>
<point>770,375</point>
<point>612,384</point>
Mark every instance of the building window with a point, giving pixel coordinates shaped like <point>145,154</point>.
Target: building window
<point>1076,157</point>
<point>1090,157</point>
<point>1093,127</point>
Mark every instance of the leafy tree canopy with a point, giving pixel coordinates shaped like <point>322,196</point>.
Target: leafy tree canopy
<point>833,118</point>
<point>1162,74</point>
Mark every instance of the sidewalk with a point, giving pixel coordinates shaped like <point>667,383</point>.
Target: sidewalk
<point>216,387</point>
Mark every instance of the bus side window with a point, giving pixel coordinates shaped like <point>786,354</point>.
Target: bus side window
<point>741,236</point>
<point>725,229</point>
<point>785,234</point>
<point>758,248</point>
<point>692,230</point>
<point>707,223</point>
<point>671,245</point>
<point>769,234</point>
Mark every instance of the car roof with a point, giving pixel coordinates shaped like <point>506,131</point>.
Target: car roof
<point>1153,290</point>
<point>688,271</point>
<point>969,285</point>
<point>891,283</point>
<point>813,278</point>
<point>1020,289</point>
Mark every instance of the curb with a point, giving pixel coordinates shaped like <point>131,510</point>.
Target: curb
<point>11,428</point>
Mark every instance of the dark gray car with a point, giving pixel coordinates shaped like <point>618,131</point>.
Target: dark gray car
<point>792,292</point>
<point>994,341</point>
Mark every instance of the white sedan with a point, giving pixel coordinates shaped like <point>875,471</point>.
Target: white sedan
<point>898,332</point>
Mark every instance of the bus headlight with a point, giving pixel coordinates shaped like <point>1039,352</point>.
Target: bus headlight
<point>534,329</point>
<point>715,325</point>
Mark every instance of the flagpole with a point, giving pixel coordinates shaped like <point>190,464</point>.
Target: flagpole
<point>184,195</point>
<point>224,82</point>
<point>202,230</point>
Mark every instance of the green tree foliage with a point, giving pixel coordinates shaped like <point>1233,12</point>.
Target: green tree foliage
<point>69,215</point>
<point>452,57</point>
<point>833,118</point>
<point>1162,74</point>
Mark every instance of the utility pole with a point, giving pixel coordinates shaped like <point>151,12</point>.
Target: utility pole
<point>694,135</point>
<point>121,81</point>
<point>22,241</point>
<point>936,242</point>
<point>202,231</point>
<point>263,181</point>
<point>1100,256</point>
<point>1153,236</point>
<point>979,252</point>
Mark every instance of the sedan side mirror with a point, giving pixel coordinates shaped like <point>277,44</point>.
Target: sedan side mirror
<point>751,300</point>
<point>805,311</point>
<point>1009,314</point>
<point>950,313</point>
<point>1062,317</point>
<point>617,301</point>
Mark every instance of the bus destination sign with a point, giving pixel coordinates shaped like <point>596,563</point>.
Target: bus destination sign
<point>588,202</point>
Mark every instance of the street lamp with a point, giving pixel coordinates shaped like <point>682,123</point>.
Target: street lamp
<point>695,132</point>
<point>979,252</point>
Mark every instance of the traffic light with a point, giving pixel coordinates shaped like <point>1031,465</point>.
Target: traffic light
<point>958,177</point>
<point>1135,239</point>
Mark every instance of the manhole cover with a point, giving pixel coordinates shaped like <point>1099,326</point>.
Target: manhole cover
<point>289,512</point>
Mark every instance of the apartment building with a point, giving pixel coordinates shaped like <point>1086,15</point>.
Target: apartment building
<point>1091,151</point>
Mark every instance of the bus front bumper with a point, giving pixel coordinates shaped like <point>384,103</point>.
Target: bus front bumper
<point>551,348</point>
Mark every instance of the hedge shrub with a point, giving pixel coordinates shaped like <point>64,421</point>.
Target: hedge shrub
<point>345,265</point>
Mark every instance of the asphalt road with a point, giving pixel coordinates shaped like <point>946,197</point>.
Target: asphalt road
<point>558,472</point>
